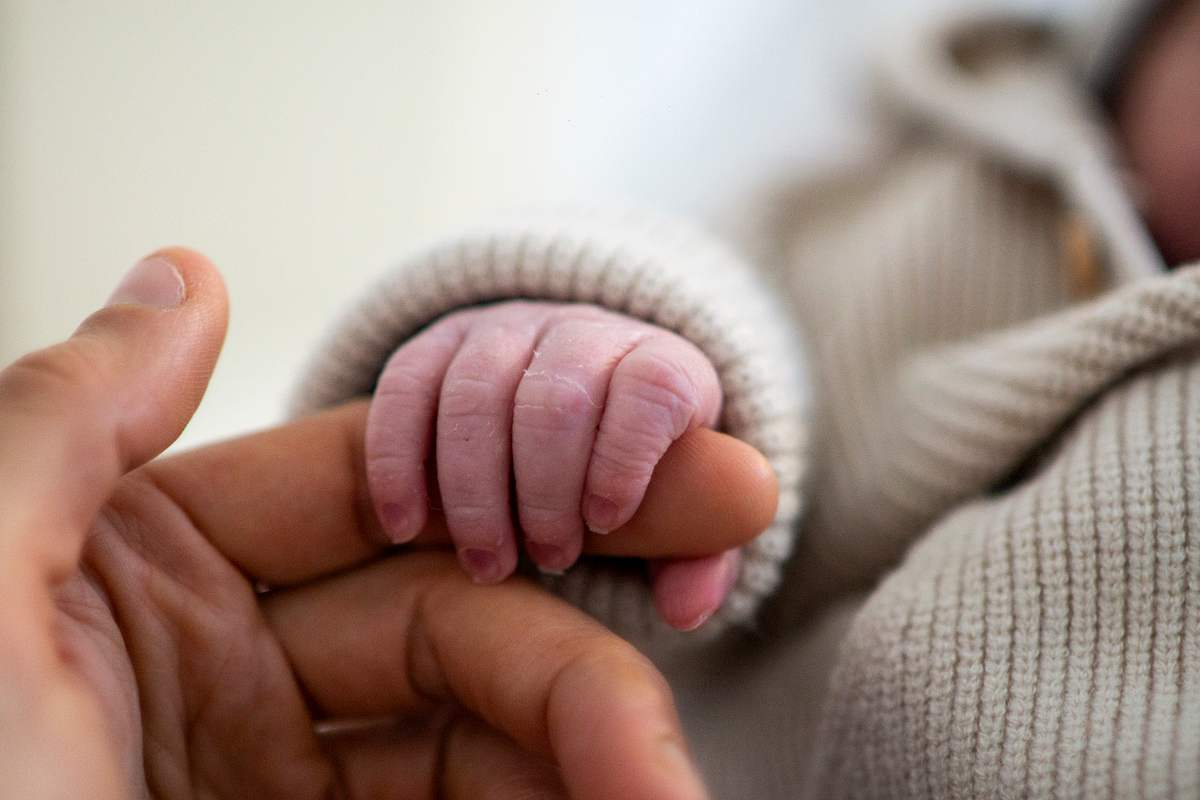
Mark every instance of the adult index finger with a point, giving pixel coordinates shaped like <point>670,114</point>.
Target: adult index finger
<point>291,503</point>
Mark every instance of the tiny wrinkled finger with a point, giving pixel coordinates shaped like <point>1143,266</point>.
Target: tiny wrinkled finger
<point>400,426</point>
<point>559,404</point>
<point>660,390</point>
<point>474,439</point>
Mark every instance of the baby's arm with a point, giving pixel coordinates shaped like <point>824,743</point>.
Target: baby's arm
<point>572,404</point>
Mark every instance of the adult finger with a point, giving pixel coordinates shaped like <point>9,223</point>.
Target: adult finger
<point>412,632</point>
<point>455,757</point>
<point>709,493</point>
<point>480,764</point>
<point>76,416</point>
<point>291,503</point>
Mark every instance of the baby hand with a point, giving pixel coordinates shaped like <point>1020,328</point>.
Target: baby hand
<point>572,404</point>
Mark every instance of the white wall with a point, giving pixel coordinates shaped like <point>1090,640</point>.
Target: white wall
<point>303,146</point>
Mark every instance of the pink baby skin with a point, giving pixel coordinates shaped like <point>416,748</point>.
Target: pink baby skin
<point>542,418</point>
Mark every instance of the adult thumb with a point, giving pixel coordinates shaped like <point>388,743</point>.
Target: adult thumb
<point>76,416</point>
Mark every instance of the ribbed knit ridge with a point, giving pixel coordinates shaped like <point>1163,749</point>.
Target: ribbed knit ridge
<point>949,248</point>
<point>1045,643</point>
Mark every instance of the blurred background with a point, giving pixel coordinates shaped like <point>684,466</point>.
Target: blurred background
<point>306,146</point>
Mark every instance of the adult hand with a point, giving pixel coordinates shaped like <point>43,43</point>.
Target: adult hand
<point>138,659</point>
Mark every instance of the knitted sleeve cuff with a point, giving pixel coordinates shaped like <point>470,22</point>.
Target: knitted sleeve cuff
<point>658,271</point>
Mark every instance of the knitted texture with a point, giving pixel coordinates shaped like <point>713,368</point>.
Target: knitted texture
<point>653,270</point>
<point>1038,457</point>
<point>1045,643</point>
<point>936,391</point>
<point>943,248</point>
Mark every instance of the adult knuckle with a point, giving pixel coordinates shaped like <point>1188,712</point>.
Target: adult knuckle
<point>65,374</point>
<point>607,660</point>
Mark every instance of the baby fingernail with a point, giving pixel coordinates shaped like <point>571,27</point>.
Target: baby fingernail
<point>482,565</point>
<point>153,281</point>
<point>697,621</point>
<point>548,557</point>
<point>396,523</point>
<point>600,514</point>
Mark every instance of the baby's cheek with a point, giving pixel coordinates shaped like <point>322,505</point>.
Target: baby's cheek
<point>1158,119</point>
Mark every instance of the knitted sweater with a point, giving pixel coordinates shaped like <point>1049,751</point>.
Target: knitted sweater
<point>996,588</point>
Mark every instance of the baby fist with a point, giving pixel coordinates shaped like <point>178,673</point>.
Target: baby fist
<point>572,404</point>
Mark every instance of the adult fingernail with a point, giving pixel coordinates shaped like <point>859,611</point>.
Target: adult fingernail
<point>600,514</point>
<point>153,281</point>
<point>482,565</point>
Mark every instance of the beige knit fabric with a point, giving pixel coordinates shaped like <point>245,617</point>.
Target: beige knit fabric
<point>1041,640</point>
<point>652,269</point>
<point>1044,642</point>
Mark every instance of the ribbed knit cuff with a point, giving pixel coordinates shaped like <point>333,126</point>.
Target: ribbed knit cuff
<point>657,271</point>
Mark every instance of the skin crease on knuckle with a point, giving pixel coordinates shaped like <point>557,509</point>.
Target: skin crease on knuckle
<point>401,380</point>
<point>553,404</point>
<point>66,374</point>
<point>667,393</point>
